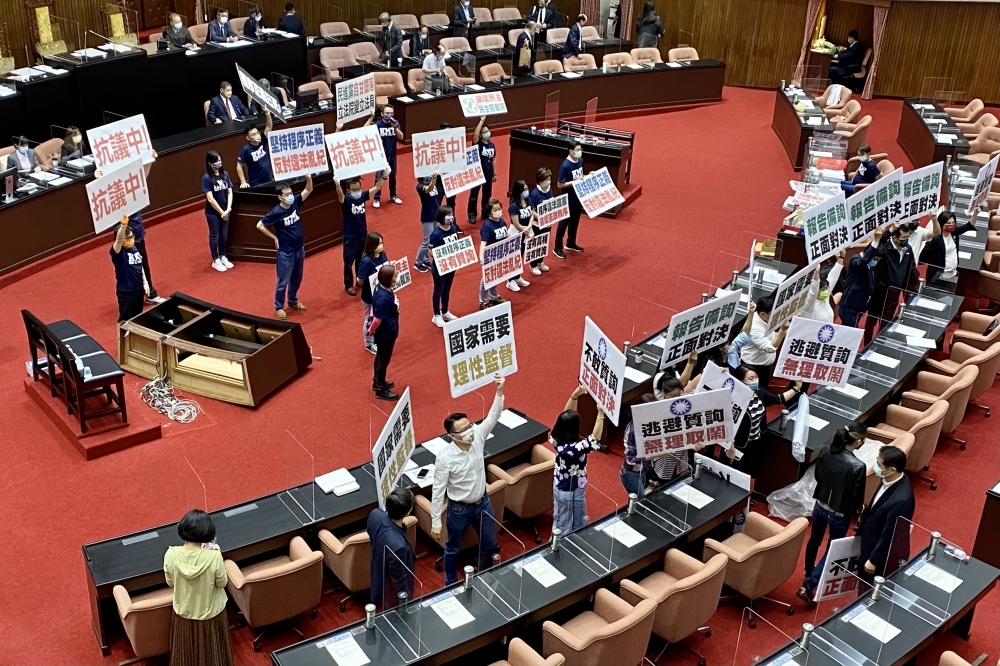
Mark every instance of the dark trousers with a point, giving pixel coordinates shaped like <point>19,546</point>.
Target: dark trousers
<point>571,224</point>
<point>218,234</point>
<point>392,180</point>
<point>487,189</point>
<point>289,267</point>
<point>821,520</point>
<point>129,304</point>
<point>442,290</point>
<point>383,357</point>
<point>881,309</point>
<point>849,316</point>
<point>141,246</point>
<point>353,249</point>
<point>479,517</point>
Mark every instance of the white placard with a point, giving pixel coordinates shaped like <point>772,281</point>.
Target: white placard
<point>116,144</point>
<point>477,346</point>
<point>345,650</point>
<point>729,475</point>
<point>440,151</point>
<point>984,181</point>
<point>117,194</point>
<point>467,178</point>
<point>792,295</point>
<point>502,261</point>
<point>483,104</point>
<point>356,152</point>
<point>602,370</point>
<point>552,210</point>
<point>875,206</point>
<point>839,570</point>
<point>297,151</point>
<point>713,377</point>
<point>818,353</point>
<point>393,448</point>
<point>921,191</point>
<point>677,424</point>
<point>355,98</point>
<point>702,327</point>
<point>457,252</point>
<point>826,228</point>
<point>452,612</point>
<point>252,88</point>
<point>536,248</point>
<point>622,532</point>
<point>597,192</point>
<point>403,276</point>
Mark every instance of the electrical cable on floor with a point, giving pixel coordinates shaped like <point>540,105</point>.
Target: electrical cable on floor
<point>159,395</point>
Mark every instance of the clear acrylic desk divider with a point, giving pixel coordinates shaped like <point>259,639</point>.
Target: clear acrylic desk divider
<point>192,490</point>
<point>371,14</point>
<point>499,569</point>
<point>730,272</point>
<point>401,618</point>
<point>760,642</point>
<point>300,475</point>
<point>930,85</point>
<point>947,98</point>
<point>840,590</point>
<point>768,271</point>
<point>802,74</point>
<point>845,401</point>
<point>931,570</point>
<point>668,506</point>
<point>551,112</point>
<point>593,544</point>
<point>865,608</point>
<point>910,329</point>
<point>649,322</point>
<point>590,115</point>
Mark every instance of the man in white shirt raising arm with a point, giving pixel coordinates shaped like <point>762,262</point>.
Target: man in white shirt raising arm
<point>460,475</point>
<point>762,350</point>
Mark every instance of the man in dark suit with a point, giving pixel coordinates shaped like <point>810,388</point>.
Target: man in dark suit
<point>219,29</point>
<point>574,40</point>
<point>225,107</point>
<point>881,548</point>
<point>462,18</point>
<point>290,22</point>
<point>420,43</point>
<point>849,56</point>
<point>859,283</point>
<point>524,50</point>
<point>392,40</point>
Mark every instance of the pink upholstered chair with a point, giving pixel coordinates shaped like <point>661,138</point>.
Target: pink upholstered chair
<point>967,114</point>
<point>615,632</point>
<point>682,54</point>
<point>646,55</point>
<point>579,63</point>
<point>147,618</point>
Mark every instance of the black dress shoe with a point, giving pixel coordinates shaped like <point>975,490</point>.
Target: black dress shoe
<point>806,597</point>
<point>386,394</point>
<point>387,385</point>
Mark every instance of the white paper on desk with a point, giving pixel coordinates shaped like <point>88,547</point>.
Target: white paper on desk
<point>938,577</point>
<point>543,571</point>
<point>452,612</point>
<point>773,276</point>
<point>882,359</point>
<point>817,423</point>
<point>425,96</point>
<point>944,138</point>
<point>674,65</point>
<point>691,495</point>
<point>965,255</point>
<point>874,626</point>
<point>475,86</point>
<point>633,66</point>
<point>965,192</point>
<point>28,71</point>
<point>571,75</point>
<point>929,304</point>
<point>435,445</point>
<point>62,180</point>
<point>623,533</point>
<point>511,419</point>
<point>339,479</point>
<point>428,478</point>
<point>346,651</point>
<point>637,376</point>
<point>815,121</point>
<point>935,121</point>
<point>118,48</point>
<point>51,70</point>
<point>7,91</point>
<point>90,53</point>
<point>660,342</point>
<point>410,465</point>
<point>922,343</point>
<point>405,100</point>
<point>908,331</point>
<point>855,392</point>
<point>190,52</point>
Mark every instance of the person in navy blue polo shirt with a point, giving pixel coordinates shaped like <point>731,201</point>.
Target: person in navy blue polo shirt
<point>487,153</point>
<point>355,227</point>
<point>388,129</point>
<point>867,170</point>
<point>371,259</point>
<point>542,192</point>
<point>385,328</point>
<point>571,169</point>
<point>445,231</point>
<point>130,281</point>
<point>493,231</point>
<point>254,156</point>
<point>431,193</point>
<point>290,243</point>
<point>522,218</point>
<point>218,189</point>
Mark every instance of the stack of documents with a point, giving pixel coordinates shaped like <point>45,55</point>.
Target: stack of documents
<point>339,482</point>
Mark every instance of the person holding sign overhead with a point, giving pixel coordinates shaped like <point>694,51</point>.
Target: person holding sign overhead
<point>569,493</point>
<point>290,243</point>
<point>487,153</point>
<point>130,281</point>
<point>445,231</point>
<point>431,197</point>
<point>355,226</point>
<point>371,259</point>
<point>384,328</point>
<point>254,156</point>
<point>493,231</point>
<point>218,189</point>
<point>895,273</point>
<point>388,129</point>
<point>225,107</point>
<point>542,192</point>
<point>571,169</point>
<point>750,428</point>
<point>523,218</point>
<point>762,350</point>
<point>860,282</point>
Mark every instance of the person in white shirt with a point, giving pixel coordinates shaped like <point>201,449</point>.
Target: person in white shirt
<point>818,306</point>
<point>434,63</point>
<point>460,476</point>
<point>762,350</point>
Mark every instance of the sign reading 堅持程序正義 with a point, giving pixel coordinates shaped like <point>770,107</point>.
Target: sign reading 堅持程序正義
<point>297,151</point>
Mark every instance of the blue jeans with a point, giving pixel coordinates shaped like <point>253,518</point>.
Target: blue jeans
<point>423,252</point>
<point>218,234</point>
<point>821,519</point>
<point>492,294</point>
<point>569,509</point>
<point>353,249</point>
<point>632,482</point>
<point>460,517</point>
<point>290,264</point>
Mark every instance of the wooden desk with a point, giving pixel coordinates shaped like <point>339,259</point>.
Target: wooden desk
<point>917,136</point>
<point>793,129</point>
<point>987,547</point>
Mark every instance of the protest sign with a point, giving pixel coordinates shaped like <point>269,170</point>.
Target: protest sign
<point>356,152</point>
<point>818,353</point>
<point>403,276</point>
<point>469,177</point>
<point>483,104</point>
<point>921,191</point>
<point>730,475</point>
<point>676,424</point>
<point>441,151</point>
<point>116,144</point>
<point>393,448</point>
<point>702,327</point>
<point>597,192</point>
<point>713,378</point>
<point>984,182</point>
<point>117,194</point>
<point>826,228</point>
<point>839,577</point>
<point>875,206</point>
<point>552,210</point>
<point>297,151</point>
<point>790,298</point>
<point>479,345</point>
<point>602,370</point>
<point>502,261</point>
<point>258,94</point>
<point>537,247</point>
<point>355,98</point>
<point>457,252</point>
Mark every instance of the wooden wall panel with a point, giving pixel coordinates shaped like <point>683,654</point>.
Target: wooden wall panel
<point>842,16</point>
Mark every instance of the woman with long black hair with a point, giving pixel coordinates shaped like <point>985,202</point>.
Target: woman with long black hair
<point>218,189</point>
<point>372,257</point>
<point>445,231</point>
<point>648,27</point>
<point>569,494</point>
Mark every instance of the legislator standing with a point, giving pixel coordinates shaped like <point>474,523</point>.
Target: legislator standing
<point>392,40</point>
<point>524,50</point>
<point>290,243</point>
<point>130,281</point>
<point>541,192</point>
<point>522,218</point>
<point>355,227</point>
<point>431,193</point>
<point>487,153</point>
<point>493,231</point>
<point>253,164</point>
<point>445,231</point>
<point>571,169</point>
<point>463,18</point>
<point>372,257</point>
<point>388,129</point>
<point>392,553</point>
<point>218,189</point>
<point>885,521</point>
<point>384,327</point>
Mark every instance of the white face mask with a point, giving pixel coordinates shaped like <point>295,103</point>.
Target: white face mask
<point>496,215</point>
<point>544,187</point>
<point>465,437</point>
<point>178,25</point>
<point>578,154</point>
<point>223,19</point>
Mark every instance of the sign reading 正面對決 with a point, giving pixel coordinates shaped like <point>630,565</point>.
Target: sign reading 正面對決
<point>921,191</point>
<point>602,370</point>
<point>702,327</point>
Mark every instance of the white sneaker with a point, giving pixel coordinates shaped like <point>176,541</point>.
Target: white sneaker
<point>512,285</point>
<point>447,316</point>
<point>535,271</point>
<point>522,282</point>
<point>225,262</point>
<point>543,267</point>
<point>438,321</point>
<point>217,265</point>
<point>376,204</point>
<point>397,201</point>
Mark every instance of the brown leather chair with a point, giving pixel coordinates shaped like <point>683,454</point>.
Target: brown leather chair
<point>856,135</point>
<point>967,114</point>
<point>931,387</point>
<point>543,67</point>
<point>482,14</point>
<point>972,329</point>
<point>334,29</point>
<point>332,58</point>
<point>435,19</point>
<point>991,258</point>
<point>949,658</point>
<point>619,59</point>
<point>350,559</point>
<point>46,150</point>
<point>589,33</point>
<point>845,96</point>
<point>925,426</point>
<point>761,558</point>
<point>686,593</point>
<point>520,653</point>
<point>149,48</point>
<point>199,33</point>
<point>529,485</point>
<point>484,42</point>
<point>365,52</point>
<point>323,88</point>
<point>456,44</point>
<point>237,24</point>
<point>682,54</point>
<point>845,115</point>
<point>902,441</point>
<point>406,21</point>
<point>985,146</point>
<point>972,130</point>
<point>415,80</point>
<point>388,84</point>
<point>277,589</point>
<point>493,72</point>
<point>962,355</point>
<point>646,55</point>
<point>422,510</point>
<point>147,619</point>
<point>556,35</point>
<point>579,63</point>
<point>615,632</point>
<point>457,80</point>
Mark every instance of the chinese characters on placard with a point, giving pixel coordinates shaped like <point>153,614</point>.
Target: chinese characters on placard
<point>667,426</point>
<point>115,144</point>
<point>699,328</point>
<point>393,447</point>
<point>597,192</point>
<point>355,98</point>
<point>297,151</point>
<point>502,261</point>
<point>355,152</point>
<point>440,151</point>
<point>818,353</point>
<point>478,346</point>
<point>552,210</point>
<point>469,177</point>
<point>117,194</point>
<point>454,254</point>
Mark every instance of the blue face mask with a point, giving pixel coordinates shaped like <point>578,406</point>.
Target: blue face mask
<point>753,386</point>
<point>486,136</point>
<point>23,150</point>
<point>873,263</point>
<point>290,199</point>
<point>356,195</point>
<point>879,472</point>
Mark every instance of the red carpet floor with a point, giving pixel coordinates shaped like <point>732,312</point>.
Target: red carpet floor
<point>714,178</point>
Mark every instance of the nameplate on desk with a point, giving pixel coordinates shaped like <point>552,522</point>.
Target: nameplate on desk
<point>139,538</point>
<point>451,611</point>
<point>965,255</point>
<point>874,626</point>
<point>881,359</point>
<point>934,575</point>
<point>425,96</point>
<point>673,65</point>
<point>855,392</point>
<point>908,331</point>
<point>689,495</point>
<point>929,304</point>
<point>926,107</point>
<point>786,659</point>
<point>240,509</point>
<point>345,650</point>
<point>476,87</point>
<point>621,532</point>
<point>659,341</point>
<point>511,419</point>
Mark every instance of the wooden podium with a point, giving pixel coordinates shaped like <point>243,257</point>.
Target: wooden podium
<point>213,351</point>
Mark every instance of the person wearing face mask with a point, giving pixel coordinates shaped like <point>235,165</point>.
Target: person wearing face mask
<point>542,192</point>
<point>522,217</point>
<point>73,146</point>
<point>634,470</point>
<point>818,306</point>
<point>388,129</point>
<point>176,34</point>
<point>372,257</point>
<point>460,478</point>
<point>384,328</point>
<point>897,271</point>
<point>445,231</point>
<point>290,242</point>
<point>392,553</point>
<point>493,231</point>
<point>130,281</point>
<point>859,282</point>
<point>762,350</point>
<point>867,172</point>
<point>253,164</point>
<point>431,194</point>
<point>392,40</point>
<point>666,386</point>
<point>941,252</point>
<point>880,519</point>
<point>224,107</point>
<point>254,23</point>
<point>741,340</point>
<point>569,502</point>
<point>462,19</point>
<point>355,227</point>
<point>24,158</point>
<point>749,432</point>
<point>218,189</point>
<point>571,169</point>
<point>219,29</point>
<point>420,43</point>
<point>524,50</point>
<point>487,153</point>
